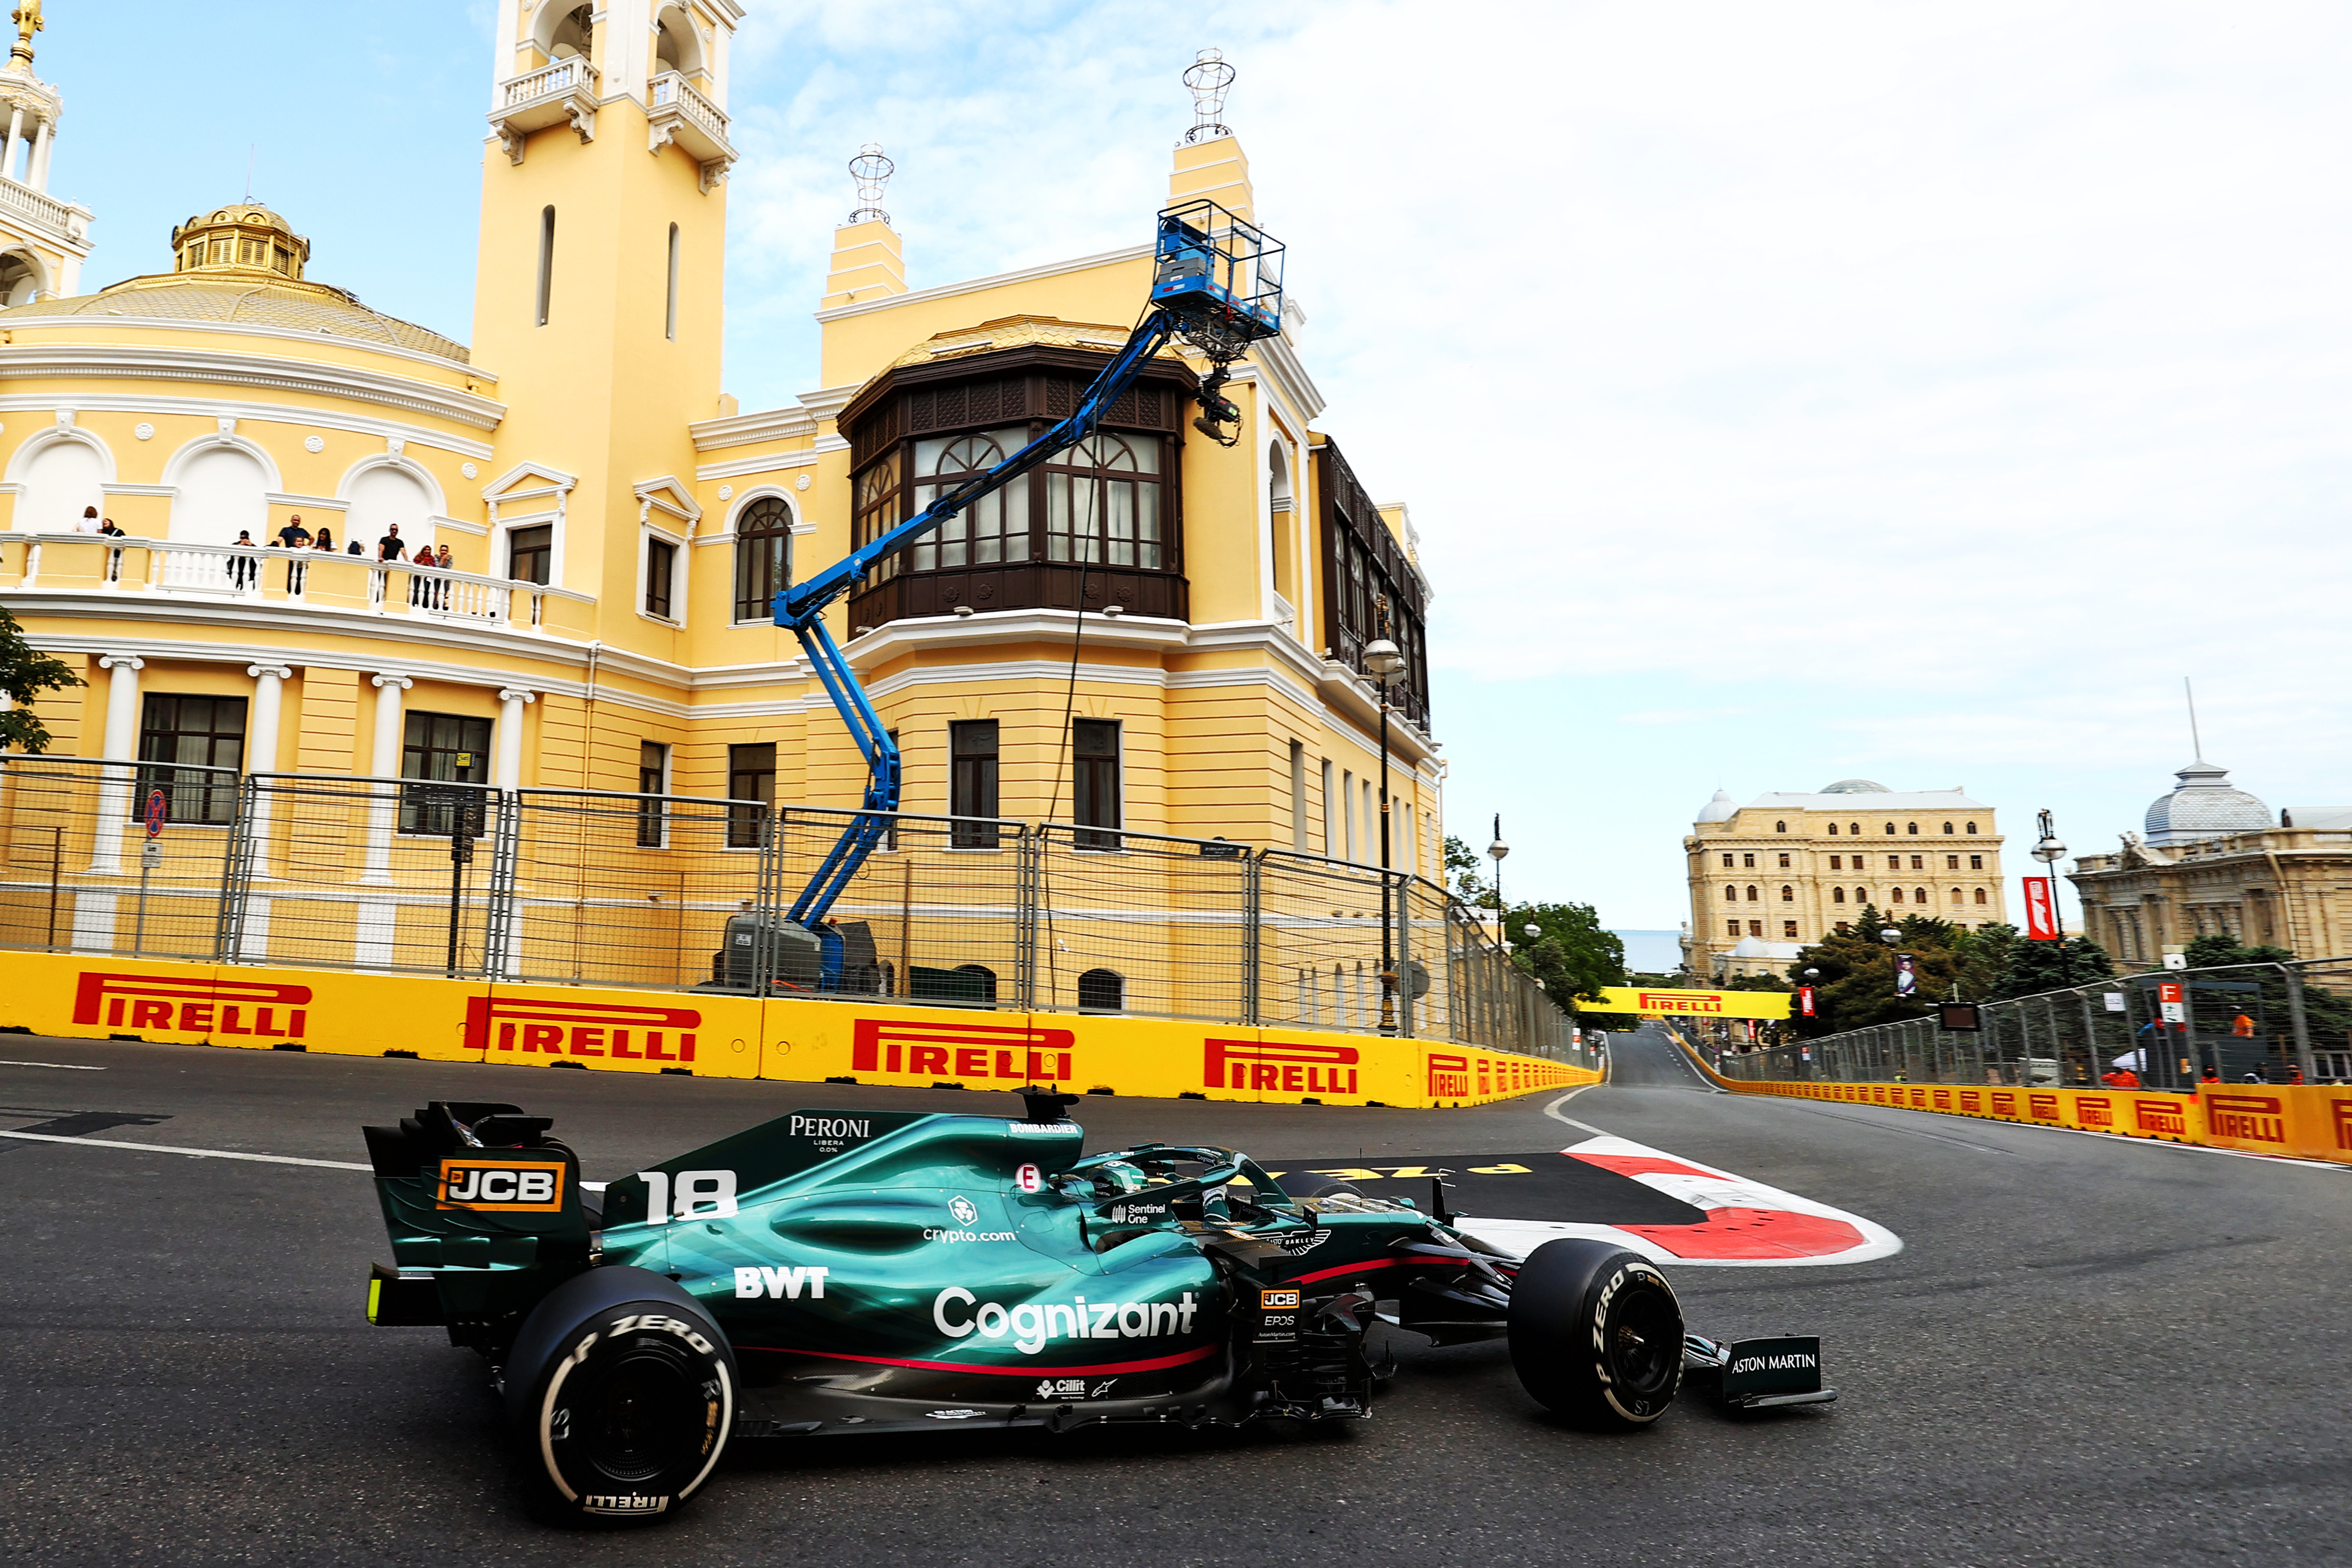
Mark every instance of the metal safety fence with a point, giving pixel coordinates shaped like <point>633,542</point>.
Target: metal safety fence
<point>2169,1029</point>
<point>593,888</point>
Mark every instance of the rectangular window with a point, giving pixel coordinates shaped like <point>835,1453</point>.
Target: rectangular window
<point>1919,862</point>
<point>1326,806</point>
<point>1299,796</point>
<point>750,775</point>
<point>1951,862</point>
<point>1093,768</point>
<point>1975,862</point>
<point>1348,807</point>
<point>546,260</point>
<point>661,567</point>
<point>444,748</point>
<point>1788,929</point>
<point>972,783</point>
<point>1755,928</point>
<point>1372,824</point>
<point>1784,862</point>
<point>669,322</point>
<point>653,779</point>
<point>1837,863</point>
<point>530,551</point>
<point>1894,862</point>
<point>1726,863</point>
<point>206,732</point>
<point>1746,862</point>
<point>1731,928</point>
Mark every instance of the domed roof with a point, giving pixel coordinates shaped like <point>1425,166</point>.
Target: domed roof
<point>1722,809</point>
<point>1855,787</point>
<point>2203,807</point>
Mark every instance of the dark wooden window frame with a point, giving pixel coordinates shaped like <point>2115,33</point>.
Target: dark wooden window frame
<point>1362,561</point>
<point>973,761</point>
<point>174,728</point>
<point>750,775</point>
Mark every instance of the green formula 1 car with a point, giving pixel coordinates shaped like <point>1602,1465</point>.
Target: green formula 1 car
<point>832,1272</point>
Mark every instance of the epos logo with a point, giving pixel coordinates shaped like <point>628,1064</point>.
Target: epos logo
<point>509,1187</point>
<point>960,1050</point>
<point>614,1029</point>
<point>2256,1118</point>
<point>192,1005</point>
<point>1275,1064</point>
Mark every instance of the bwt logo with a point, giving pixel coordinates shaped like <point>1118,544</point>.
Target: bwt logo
<point>1278,1066</point>
<point>962,1050</point>
<point>2169,1117</point>
<point>1676,1002</point>
<point>582,1028</point>
<point>192,1005</point>
<point>2256,1118</point>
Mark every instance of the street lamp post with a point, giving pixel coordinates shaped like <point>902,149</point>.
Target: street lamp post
<point>1495,852</point>
<point>1384,662</point>
<point>2049,851</point>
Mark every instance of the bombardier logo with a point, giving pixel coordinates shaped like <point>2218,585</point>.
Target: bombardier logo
<point>191,1004</point>
<point>623,1031</point>
<point>1279,1066</point>
<point>511,1186</point>
<point>928,1049</point>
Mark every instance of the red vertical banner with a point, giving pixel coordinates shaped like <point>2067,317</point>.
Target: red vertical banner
<point>2041,910</point>
<point>1804,1000</point>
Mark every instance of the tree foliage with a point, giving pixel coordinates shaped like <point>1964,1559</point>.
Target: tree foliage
<point>25,674</point>
<point>1463,875</point>
<point>2327,1015</point>
<point>1571,953</point>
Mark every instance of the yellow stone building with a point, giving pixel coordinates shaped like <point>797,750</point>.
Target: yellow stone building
<point>615,526</point>
<point>1788,868</point>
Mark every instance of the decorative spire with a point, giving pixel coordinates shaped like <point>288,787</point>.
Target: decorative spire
<point>27,17</point>
<point>1208,76</point>
<point>872,171</point>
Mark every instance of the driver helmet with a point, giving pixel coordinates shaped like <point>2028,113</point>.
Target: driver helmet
<point>1116,1178</point>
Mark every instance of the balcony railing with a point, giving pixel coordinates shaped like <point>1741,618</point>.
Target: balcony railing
<point>548,81</point>
<point>32,564</point>
<point>669,87</point>
<point>41,208</point>
<point>676,112</point>
<point>550,96</point>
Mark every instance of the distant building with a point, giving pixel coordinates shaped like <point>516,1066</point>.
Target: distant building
<point>1788,869</point>
<point>2212,864</point>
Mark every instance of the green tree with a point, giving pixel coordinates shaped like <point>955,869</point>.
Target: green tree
<point>1571,953</point>
<point>1462,877</point>
<point>25,674</point>
<point>1856,989</point>
<point>2328,1015</point>
<point>2034,967</point>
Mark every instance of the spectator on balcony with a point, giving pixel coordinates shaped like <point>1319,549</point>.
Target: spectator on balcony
<point>113,557</point>
<point>326,539</point>
<point>244,568</point>
<point>89,523</point>
<point>353,548</point>
<point>391,547</point>
<point>422,591</point>
<point>294,536</point>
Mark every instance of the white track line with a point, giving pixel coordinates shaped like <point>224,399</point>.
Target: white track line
<point>61,1066</point>
<point>1553,1111</point>
<point>192,1153</point>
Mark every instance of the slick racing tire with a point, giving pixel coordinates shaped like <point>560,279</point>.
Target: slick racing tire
<point>1596,1333</point>
<point>622,1391</point>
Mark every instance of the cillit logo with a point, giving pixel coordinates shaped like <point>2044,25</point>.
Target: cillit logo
<point>512,1186</point>
<point>190,1005</point>
<point>2256,1118</point>
<point>620,1030</point>
<point>1279,1066</point>
<point>960,1050</point>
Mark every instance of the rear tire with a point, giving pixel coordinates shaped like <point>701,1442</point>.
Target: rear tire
<point>1596,1333</point>
<point>621,1393</point>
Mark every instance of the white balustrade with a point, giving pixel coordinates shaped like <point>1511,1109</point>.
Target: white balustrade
<point>574,73</point>
<point>39,205</point>
<point>669,89</point>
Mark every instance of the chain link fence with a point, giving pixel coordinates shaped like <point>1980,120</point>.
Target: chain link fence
<point>591,887</point>
<point>2169,1029</point>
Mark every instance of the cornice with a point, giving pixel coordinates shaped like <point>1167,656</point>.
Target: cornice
<point>737,467</point>
<point>996,280</point>
<point>117,361</point>
<point>742,429</point>
<point>272,413</point>
<point>999,628</point>
<point>286,334</point>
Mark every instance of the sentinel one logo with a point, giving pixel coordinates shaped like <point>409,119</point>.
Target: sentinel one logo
<point>1279,1066</point>
<point>620,1030</point>
<point>192,1004</point>
<point>960,1050</point>
<point>509,1187</point>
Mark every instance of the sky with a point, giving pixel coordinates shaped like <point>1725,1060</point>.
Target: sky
<point>1782,393</point>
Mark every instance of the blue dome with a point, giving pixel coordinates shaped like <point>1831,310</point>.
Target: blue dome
<point>2203,807</point>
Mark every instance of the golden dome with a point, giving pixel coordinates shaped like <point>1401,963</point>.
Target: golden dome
<point>247,237</point>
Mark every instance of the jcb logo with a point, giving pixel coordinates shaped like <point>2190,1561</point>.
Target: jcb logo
<point>509,1186</point>
<point>960,1050</point>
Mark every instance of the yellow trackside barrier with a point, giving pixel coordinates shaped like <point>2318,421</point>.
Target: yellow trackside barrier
<point>715,1035</point>
<point>2303,1121</point>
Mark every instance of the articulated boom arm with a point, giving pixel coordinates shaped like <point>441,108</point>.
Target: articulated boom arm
<point>1219,285</point>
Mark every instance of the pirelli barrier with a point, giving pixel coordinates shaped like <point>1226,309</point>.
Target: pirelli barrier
<point>2303,1122</point>
<point>715,1035</point>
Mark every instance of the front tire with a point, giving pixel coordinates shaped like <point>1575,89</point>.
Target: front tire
<point>1596,1333</point>
<point>622,1391</point>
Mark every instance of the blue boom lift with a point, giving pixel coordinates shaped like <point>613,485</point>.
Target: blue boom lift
<point>1217,285</point>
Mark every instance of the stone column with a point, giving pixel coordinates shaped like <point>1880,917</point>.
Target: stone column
<point>15,134</point>
<point>36,166</point>
<point>261,751</point>
<point>506,772</point>
<point>121,745</point>
<point>383,809</point>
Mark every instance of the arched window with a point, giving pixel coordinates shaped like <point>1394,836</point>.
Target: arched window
<point>1918,895</point>
<point>1853,829</point>
<point>20,280</point>
<point>676,48</point>
<point>1281,522</point>
<point>1837,895</point>
<point>993,529</point>
<point>1981,897</point>
<point>1832,830</point>
<point>222,490</point>
<point>1890,827</point>
<point>1972,827</point>
<point>1788,894</point>
<point>1730,895</point>
<point>972,982</point>
<point>1956,895</point>
<point>547,258</point>
<point>1780,828</point>
<point>1751,892</point>
<point>1947,827</point>
<point>574,33</point>
<point>1895,896</point>
<point>63,478</point>
<point>1101,991</point>
<point>1913,828</point>
<point>1861,895</point>
<point>381,498</point>
<point>1102,502</point>
<point>763,556</point>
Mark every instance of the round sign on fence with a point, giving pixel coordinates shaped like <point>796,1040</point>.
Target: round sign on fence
<point>155,808</point>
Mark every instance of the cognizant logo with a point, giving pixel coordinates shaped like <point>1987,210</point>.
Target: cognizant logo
<point>1033,1324</point>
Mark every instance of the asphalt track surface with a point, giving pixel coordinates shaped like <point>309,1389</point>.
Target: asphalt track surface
<point>2089,1351</point>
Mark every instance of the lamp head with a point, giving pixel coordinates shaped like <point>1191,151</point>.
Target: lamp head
<point>1383,660</point>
